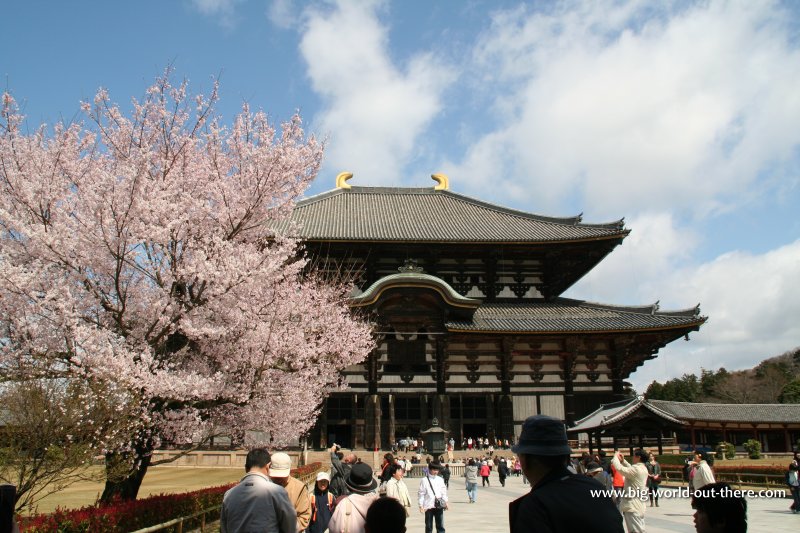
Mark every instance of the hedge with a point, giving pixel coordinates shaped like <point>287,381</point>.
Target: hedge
<point>124,516</point>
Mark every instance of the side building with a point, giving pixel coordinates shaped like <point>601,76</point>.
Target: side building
<point>471,328</point>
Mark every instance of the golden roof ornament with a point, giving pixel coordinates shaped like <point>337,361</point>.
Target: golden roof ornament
<point>442,180</point>
<point>341,180</point>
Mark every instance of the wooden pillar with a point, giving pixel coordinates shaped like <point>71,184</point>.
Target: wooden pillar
<point>372,414</point>
<point>357,425</point>
<point>694,440</point>
<point>591,447</point>
<point>461,417</point>
<point>786,440</point>
<point>568,375</point>
<point>491,416</point>
<point>441,357</point>
<point>372,373</point>
<point>392,424</point>
<point>506,427</point>
<point>660,443</point>
<point>616,361</point>
<point>423,405</point>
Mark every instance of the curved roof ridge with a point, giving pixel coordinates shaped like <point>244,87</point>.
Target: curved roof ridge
<point>576,220</point>
<point>652,309</point>
<point>726,404</point>
<point>410,277</point>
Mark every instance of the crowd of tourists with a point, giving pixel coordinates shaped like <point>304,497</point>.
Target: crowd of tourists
<point>354,499</point>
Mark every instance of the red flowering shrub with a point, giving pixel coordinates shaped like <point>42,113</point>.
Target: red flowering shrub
<point>132,515</point>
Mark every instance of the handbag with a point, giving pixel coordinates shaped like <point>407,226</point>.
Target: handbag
<point>438,503</point>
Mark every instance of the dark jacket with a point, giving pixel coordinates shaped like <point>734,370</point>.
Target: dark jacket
<point>502,470</point>
<point>446,474</point>
<point>340,472</point>
<point>563,502</point>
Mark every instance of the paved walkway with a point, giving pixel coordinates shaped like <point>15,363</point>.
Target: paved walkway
<point>490,513</point>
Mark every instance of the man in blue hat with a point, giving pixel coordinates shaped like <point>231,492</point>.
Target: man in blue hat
<point>559,501</point>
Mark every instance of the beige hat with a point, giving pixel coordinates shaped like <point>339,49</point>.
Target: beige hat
<point>323,476</point>
<point>281,465</point>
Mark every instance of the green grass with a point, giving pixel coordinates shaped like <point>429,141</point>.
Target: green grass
<point>167,480</point>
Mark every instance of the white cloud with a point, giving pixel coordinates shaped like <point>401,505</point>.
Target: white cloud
<point>373,110</point>
<point>752,300</point>
<point>224,11</point>
<point>283,13</point>
<point>637,271</point>
<point>753,305</point>
<point>631,107</point>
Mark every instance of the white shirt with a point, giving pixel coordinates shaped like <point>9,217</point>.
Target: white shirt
<point>635,483</point>
<point>702,476</point>
<point>428,496</point>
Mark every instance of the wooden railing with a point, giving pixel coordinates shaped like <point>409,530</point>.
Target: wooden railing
<point>178,523</point>
<point>181,520</point>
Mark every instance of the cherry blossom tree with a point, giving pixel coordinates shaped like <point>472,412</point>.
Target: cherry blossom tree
<point>136,250</point>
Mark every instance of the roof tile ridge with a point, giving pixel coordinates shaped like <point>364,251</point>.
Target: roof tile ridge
<point>725,404</point>
<point>364,189</point>
<point>687,311</point>
<point>643,309</point>
<point>575,220</point>
<point>361,189</point>
<point>318,197</point>
<point>647,403</point>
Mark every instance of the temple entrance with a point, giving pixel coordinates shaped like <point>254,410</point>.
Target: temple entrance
<point>475,431</point>
<point>340,434</point>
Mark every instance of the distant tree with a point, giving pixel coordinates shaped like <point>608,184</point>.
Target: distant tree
<point>791,392</point>
<point>710,381</point>
<point>683,389</point>
<point>52,430</point>
<point>136,252</point>
<point>655,391</point>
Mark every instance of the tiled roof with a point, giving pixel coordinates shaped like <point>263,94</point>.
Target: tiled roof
<point>566,315</point>
<point>683,412</point>
<point>614,413</point>
<point>388,214</point>
<point>729,412</point>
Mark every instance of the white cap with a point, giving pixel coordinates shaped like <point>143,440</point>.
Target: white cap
<point>323,475</point>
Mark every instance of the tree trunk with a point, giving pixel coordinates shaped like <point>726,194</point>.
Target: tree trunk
<point>124,485</point>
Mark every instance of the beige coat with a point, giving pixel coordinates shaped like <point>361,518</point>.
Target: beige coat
<point>398,490</point>
<point>635,485</point>
<point>298,495</point>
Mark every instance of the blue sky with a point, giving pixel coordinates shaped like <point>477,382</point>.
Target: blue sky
<point>682,117</point>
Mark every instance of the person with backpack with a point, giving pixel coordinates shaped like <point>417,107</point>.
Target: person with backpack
<point>350,513</point>
<point>321,504</point>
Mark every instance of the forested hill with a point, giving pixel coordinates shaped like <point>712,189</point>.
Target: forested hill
<point>774,380</point>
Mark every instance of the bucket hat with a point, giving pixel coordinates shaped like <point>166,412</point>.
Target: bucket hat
<point>543,435</point>
<point>360,479</point>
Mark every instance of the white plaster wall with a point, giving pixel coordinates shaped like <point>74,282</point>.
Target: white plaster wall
<point>553,406</point>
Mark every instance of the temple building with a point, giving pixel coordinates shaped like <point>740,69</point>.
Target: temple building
<point>470,324</point>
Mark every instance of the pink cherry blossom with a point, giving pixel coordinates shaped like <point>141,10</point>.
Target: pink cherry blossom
<point>135,250</point>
